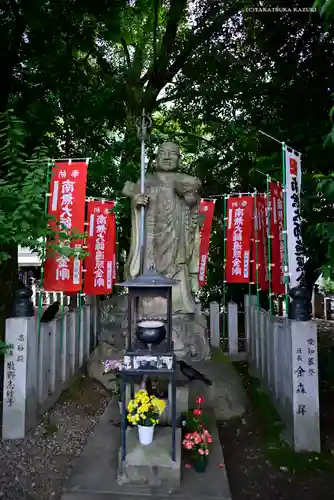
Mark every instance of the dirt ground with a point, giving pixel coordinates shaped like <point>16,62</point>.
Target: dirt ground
<point>260,466</point>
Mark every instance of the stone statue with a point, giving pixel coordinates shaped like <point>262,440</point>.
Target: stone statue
<point>172,234</point>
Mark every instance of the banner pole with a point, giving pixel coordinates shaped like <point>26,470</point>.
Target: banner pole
<point>43,252</point>
<point>116,212</point>
<point>256,251</point>
<point>286,267</point>
<point>269,208</point>
<point>224,269</point>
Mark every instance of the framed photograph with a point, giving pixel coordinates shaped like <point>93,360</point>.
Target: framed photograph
<point>142,362</point>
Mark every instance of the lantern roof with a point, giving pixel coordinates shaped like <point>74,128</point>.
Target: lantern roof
<point>149,279</point>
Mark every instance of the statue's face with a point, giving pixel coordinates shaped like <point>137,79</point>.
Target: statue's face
<point>168,157</point>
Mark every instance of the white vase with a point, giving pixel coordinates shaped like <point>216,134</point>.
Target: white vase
<point>145,434</point>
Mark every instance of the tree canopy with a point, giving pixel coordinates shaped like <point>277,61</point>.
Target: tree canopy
<point>211,74</point>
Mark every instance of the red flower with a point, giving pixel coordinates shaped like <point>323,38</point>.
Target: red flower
<point>197,412</point>
<point>187,466</point>
<point>199,400</point>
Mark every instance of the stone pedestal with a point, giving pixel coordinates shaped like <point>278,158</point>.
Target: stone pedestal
<point>20,378</point>
<point>151,465</point>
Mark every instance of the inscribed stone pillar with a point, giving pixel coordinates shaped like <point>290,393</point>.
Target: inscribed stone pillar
<point>20,378</point>
<point>305,386</point>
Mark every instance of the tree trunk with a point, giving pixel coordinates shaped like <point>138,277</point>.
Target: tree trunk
<point>8,284</point>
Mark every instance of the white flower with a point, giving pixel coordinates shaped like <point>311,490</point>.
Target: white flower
<point>113,365</point>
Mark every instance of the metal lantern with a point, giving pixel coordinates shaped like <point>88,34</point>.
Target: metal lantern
<point>152,334</point>
<point>149,345</point>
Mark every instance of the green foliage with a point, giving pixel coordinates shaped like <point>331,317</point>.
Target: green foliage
<point>23,189</point>
<point>4,347</point>
<point>84,71</point>
<point>327,285</point>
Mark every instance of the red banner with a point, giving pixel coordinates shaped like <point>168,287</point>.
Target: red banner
<point>100,264</point>
<point>206,210</point>
<point>114,239</point>
<point>277,242</point>
<point>260,244</point>
<point>67,206</point>
<point>238,239</point>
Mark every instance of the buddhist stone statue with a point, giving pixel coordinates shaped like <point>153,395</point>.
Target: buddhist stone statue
<point>171,202</point>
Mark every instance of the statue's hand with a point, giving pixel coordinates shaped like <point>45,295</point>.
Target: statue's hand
<point>141,200</point>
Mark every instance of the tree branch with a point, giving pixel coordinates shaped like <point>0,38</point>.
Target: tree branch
<point>126,52</point>
<point>155,32</point>
<point>158,81</point>
<point>176,10</point>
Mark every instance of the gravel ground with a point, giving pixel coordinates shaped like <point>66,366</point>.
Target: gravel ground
<point>35,468</point>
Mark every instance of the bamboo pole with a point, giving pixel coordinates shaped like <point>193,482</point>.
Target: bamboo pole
<point>43,253</point>
<point>224,268</point>
<point>286,267</point>
<point>269,261</point>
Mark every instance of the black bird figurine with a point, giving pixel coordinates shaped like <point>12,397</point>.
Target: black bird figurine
<point>50,313</point>
<point>192,374</point>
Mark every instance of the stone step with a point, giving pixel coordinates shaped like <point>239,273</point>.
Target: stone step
<point>94,474</point>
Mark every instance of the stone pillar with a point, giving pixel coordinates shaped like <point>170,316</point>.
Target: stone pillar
<point>72,342</point>
<point>232,311</point>
<point>20,378</point>
<point>214,324</point>
<point>305,386</point>
<point>305,379</point>
<point>247,323</point>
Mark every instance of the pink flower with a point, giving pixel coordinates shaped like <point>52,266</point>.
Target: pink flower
<point>197,438</point>
<point>209,439</point>
<point>200,451</point>
<point>220,466</point>
<point>199,400</point>
<point>207,452</point>
<point>188,445</point>
<point>187,466</point>
<point>197,412</point>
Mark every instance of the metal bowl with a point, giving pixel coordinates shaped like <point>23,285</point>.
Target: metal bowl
<point>151,331</point>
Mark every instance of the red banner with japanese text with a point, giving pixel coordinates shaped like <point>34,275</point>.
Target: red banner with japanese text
<point>238,239</point>
<point>67,208</point>
<point>260,244</point>
<point>277,241</point>
<point>206,211</point>
<point>114,266</point>
<point>99,264</point>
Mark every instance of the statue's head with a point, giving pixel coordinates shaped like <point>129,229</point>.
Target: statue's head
<point>168,157</point>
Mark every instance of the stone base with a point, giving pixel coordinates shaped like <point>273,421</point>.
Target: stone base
<point>151,465</point>
<point>190,337</point>
<point>94,474</point>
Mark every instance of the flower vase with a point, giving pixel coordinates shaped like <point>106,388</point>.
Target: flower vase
<point>145,434</point>
<point>200,463</point>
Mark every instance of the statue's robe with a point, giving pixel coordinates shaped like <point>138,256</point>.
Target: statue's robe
<point>171,236</point>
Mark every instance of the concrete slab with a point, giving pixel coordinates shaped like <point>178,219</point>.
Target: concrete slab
<point>151,465</point>
<point>94,474</point>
